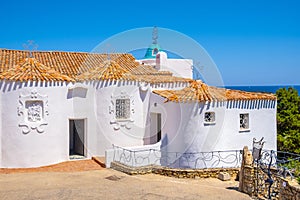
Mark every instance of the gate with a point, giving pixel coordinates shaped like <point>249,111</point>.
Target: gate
<point>269,167</point>
<point>266,173</point>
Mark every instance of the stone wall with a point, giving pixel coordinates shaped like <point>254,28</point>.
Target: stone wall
<point>171,172</point>
<point>131,170</point>
<point>257,187</point>
<point>247,180</point>
<point>287,191</point>
<point>195,173</point>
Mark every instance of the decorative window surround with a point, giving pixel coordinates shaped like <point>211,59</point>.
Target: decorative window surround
<point>33,111</point>
<point>121,110</point>
<point>244,122</point>
<point>209,118</point>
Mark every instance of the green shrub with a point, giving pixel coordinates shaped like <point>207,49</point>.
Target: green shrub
<point>288,120</point>
<point>294,166</point>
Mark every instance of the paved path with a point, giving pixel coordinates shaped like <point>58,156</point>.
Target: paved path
<point>110,184</point>
<point>69,166</point>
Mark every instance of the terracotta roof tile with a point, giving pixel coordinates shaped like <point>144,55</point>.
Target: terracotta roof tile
<point>84,66</point>
<point>70,66</point>
<point>67,63</point>
<point>149,70</point>
<point>200,92</point>
<point>113,71</point>
<point>31,69</point>
<point>163,79</point>
<point>107,70</point>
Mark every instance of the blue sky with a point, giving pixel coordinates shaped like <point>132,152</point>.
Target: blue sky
<point>252,42</point>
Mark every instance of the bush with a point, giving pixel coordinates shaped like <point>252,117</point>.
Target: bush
<point>288,120</point>
<point>295,166</point>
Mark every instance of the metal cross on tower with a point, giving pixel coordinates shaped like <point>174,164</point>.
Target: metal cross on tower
<point>154,35</point>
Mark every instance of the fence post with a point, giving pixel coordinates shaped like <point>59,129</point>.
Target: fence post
<point>246,176</point>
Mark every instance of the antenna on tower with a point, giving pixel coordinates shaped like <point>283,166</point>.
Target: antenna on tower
<point>30,46</point>
<point>154,35</point>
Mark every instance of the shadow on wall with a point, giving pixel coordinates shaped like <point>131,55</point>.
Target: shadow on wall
<point>164,150</point>
<point>251,104</point>
<point>7,86</point>
<point>77,92</point>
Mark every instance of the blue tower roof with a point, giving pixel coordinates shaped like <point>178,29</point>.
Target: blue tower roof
<point>152,50</point>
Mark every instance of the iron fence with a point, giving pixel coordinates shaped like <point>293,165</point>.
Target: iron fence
<point>271,166</point>
<point>284,163</point>
<point>202,160</point>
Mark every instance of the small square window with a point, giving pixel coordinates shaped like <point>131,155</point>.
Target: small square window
<point>209,117</point>
<point>244,121</point>
<point>122,109</point>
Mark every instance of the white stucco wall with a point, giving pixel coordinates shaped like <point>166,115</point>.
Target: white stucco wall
<point>90,101</point>
<point>151,62</point>
<point>154,106</point>
<point>134,156</point>
<point>111,131</point>
<point>179,67</point>
<point>262,123</point>
<point>187,132</point>
<point>183,127</point>
<point>34,149</point>
<point>81,96</point>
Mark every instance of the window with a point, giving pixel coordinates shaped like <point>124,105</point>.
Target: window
<point>209,117</point>
<point>244,121</point>
<point>122,109</point>
<point>155,51</point>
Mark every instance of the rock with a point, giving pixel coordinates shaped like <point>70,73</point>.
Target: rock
<point>224,176</point>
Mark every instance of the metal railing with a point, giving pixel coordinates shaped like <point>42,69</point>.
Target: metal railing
<point>270,166</point>
<point>283,162</point>
<point>199,160</point>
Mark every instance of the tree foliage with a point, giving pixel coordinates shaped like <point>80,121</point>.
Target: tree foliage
<point>288,120</point>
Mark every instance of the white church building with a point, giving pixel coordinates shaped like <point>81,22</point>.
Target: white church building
<point>55,105</point>
<point>158,59</point>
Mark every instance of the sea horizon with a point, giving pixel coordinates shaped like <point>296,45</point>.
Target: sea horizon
<point>262,88</point>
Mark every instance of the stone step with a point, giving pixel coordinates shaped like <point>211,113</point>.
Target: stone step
<point>99,160</point>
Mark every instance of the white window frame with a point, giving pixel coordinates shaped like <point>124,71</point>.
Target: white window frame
<point>213,121</point>
<point>244,118</point>
<point>116,121</point>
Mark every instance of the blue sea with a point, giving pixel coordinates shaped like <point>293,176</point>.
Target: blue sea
<point>268,89</point>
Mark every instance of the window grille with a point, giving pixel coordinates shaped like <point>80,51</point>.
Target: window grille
<point>122,109</point>
<point>209,117</point>
<point>244,121</point>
